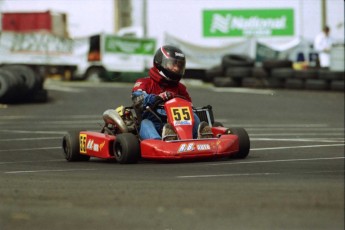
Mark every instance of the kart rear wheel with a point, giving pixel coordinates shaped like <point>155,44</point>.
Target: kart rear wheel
<point>244,142</point>
<point>71,149</point>
<point>126,148</point>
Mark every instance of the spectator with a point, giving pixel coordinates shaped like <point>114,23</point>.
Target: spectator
<point>322,45</point>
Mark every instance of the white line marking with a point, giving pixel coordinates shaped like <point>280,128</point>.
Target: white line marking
<point>275,161</point>
<point>297,134</point>
<point>55,170</point>
<point>298,139</point>
<point>251,174</point>
<point>31,139</point>
<point>243,90</point>
<point>29,149</point>
<point>33,132</point>
<point>21,162</point>
<point>296,147</point>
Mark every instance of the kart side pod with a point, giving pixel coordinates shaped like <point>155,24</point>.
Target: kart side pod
<point>112,117</point>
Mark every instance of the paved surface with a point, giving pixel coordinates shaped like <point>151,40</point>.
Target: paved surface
<point>292,179</point>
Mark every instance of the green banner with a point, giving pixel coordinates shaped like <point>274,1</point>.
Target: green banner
<point>138,46</point>
<point>248,22</point>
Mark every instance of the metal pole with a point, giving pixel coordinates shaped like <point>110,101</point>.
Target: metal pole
<point>144,21</point>
<point>323,13</point>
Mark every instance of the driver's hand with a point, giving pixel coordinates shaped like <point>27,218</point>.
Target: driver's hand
<point>167,95</point>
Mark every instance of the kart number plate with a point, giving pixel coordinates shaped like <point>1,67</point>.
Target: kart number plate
<point>181,115</point>
<point>82,143</point>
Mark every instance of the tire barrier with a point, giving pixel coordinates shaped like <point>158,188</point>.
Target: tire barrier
<point>20,84</point>
<point>240,71</point>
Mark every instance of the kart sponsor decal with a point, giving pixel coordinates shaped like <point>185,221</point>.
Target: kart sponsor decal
<point>176,123</point>
<point>102,145</point>
<point>91,145</point>
<point>192,146</point>
<point>181,115</point>
<point>186,147</point>
<point>82,143</point>
<point>203,147</point>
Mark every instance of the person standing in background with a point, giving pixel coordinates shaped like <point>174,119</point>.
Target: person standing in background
<point>323,44</point>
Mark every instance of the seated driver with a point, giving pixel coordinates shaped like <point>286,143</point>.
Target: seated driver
<point>163,83</point>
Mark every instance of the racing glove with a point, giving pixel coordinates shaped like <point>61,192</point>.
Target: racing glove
<point>167,95</point>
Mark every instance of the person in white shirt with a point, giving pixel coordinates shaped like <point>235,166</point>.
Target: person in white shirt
<point>322,45</point>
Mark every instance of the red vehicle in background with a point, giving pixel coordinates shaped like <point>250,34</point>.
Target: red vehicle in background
<point>119,138</point>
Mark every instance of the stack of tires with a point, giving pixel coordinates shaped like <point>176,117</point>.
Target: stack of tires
<point>19,83</point>
<point>240,71</point>
<point>284,76</point>
<point>233,69</point>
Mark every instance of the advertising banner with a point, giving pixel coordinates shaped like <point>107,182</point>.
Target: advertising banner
<point>248,22</point>
<point>134,46</point>
<point>127,54</point>
<point>201,57</point>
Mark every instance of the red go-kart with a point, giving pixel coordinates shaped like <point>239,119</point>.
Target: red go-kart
<point>119,137</point>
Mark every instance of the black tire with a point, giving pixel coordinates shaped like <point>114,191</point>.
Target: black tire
<point>272,64</point>
<point>292,83</point>
<point>237,60</point>
<point>11,87</point>
<point>331,75</point>
<point>26,75</point>
<point>317,84</point>
<point>126,148</point>
<point>306,74</point>
<point>71,147</point>
<point>213,72</point>
<point>337,85</point>
<point>39,96</point>
<point>238,72</point>
<point>259,73</point>
<point>283,73</point>
<point>225,82</point>
<point>250,82</point>
<point>95,74</point>
<point>244,142</point>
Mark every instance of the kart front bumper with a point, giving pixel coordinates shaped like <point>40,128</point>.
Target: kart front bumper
<point>225,145</point>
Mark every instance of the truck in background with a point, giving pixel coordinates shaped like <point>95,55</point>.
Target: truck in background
<point>40,41</point>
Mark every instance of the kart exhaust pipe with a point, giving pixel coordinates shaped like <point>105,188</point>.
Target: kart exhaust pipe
<point>112,117</point>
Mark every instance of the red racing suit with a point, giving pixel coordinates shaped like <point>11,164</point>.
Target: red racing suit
<point>155,84</point>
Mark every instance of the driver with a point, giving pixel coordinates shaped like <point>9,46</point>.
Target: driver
<point>162,84</point>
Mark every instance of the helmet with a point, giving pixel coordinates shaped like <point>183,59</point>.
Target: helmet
<point>170,62</point>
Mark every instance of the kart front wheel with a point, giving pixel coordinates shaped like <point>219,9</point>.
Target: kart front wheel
<point>126,148</point>
<point>244,142</point>
<point>71,148</point>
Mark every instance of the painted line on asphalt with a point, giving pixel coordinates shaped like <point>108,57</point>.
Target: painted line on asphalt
<point>31,139</point>
<point>243,90</point>
<point>296,147</point>
<point>53,170</point>
<point>29,149</point>
<point>341,140</point>
<point>275,161</point>
<point>252,174</point>
<point>33,132</point>
<point>23,162</point>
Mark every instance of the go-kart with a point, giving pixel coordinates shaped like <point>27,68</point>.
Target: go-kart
<point>119,138</point>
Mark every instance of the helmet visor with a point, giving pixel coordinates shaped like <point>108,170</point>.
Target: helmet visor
<point>176,66</point>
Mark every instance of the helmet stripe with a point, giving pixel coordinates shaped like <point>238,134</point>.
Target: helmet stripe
<point>166,54</point>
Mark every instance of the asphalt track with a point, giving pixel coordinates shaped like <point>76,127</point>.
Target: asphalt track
<point>292,179</point>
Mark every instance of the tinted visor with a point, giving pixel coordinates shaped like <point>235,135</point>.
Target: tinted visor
<point>176,66</point>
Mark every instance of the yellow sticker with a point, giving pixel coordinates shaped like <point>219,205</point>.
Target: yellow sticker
<point>82,143</point>
<point>181,113</point>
